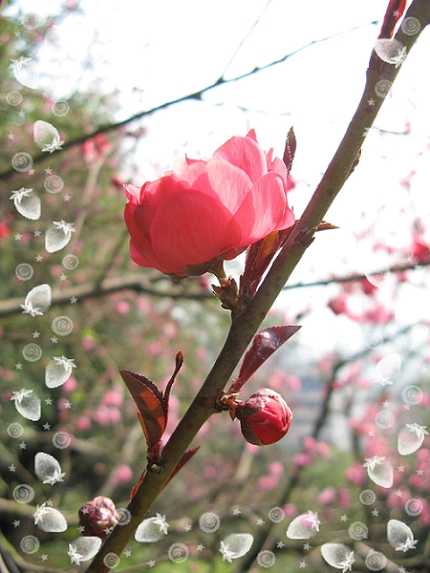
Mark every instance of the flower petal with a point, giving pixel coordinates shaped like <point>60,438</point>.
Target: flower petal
<point>229,185</point>
<point>153,193</point>
<point>277,165</point>
<point>133,193</point>
<point>190,228</point>
<point>268,200</point>
<point>246,154</point>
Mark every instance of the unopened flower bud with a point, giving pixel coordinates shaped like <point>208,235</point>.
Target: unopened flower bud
<point>265,417</point>
<point>98,517</point>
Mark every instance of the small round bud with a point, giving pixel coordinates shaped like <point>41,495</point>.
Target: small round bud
<point>265,417</point>
<point>98,517</point>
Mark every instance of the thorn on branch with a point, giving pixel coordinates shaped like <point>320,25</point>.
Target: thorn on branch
<point>290,149</point>
<point>356,162</point>
<point>306,237</point>
<point>324,226</point>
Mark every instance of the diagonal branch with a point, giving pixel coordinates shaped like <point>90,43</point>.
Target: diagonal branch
<point>246,323</point>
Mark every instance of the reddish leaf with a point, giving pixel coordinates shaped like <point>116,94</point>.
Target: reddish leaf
<point>324,226</point>
<point>150,404</point>
<point>179,361</point>
<point>136,487</point>
<point>263,346</point>
<point>258,258</point>
<point>290,149</point>
<point>392,16</point>
<point>185,458</point>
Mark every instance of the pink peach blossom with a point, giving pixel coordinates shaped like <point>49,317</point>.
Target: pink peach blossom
<point>83,423</point>
<point>417,482</point>
<point>203,211</point>
<point>328,495</point>
<point>122,474</point>
<point>112,398</point>
<point>105,415</point>
<point>4,231</point>
<point>424,517</point>
<point>396,499</point>
<point>290,510</point>
<point>356,474</point>
<point>95,147</point>
<point>267,482</point>
<point>122,307</point>
<point>309,443</point>
<point>88,342</point>
<point>323,449</point>
<point>344,497</point>
<point>420,249</point>
<point>69,385</point>
<point>276,469</point>
<point>63,416</point>
<point>302,460</point>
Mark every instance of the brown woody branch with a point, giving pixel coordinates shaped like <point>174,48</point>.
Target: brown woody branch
<point>246,323</point>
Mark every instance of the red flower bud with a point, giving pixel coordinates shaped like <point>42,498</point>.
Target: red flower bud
<point>265,417</point>
<point>98,517</point>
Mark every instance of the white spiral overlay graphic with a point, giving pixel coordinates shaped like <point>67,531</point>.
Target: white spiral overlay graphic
<point>375,561</point>
<point>266,558</point>
<point>30,21</point>
<point>384,419</point>
<point>276,514</point>
<point>15,430</point>
<point>70,262</point>
<point>62,325</point>
<point>178,552</point>
<point>14,98</point>
<point>209,522</point>
<point>61,108</point>
<point>358,530</point>
<point>411,26</point>
<point>414,507</point>
<point>412,395</point>
<point>32,352</point>
<point>367,497</point>
<point>61,440</point>
<point>22,162</point>
<point>373,340</point>
<point>53,184</point>
<point>24,272</point>
<point>111,560</point>
<point>383,87</point>
<point>124,516</point>
<point>23,493</point>
<point>29,544</point>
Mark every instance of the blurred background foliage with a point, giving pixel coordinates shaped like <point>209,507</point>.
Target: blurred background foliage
<point>141,327</point>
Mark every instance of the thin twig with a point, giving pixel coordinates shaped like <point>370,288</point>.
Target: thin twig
<point>142,284</point>
<point>195,95</point>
